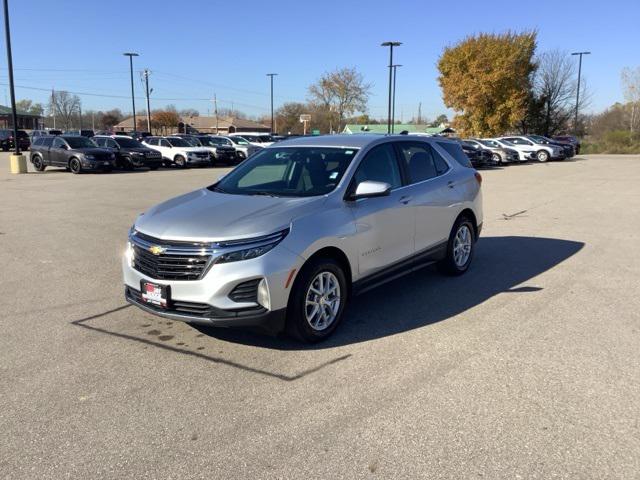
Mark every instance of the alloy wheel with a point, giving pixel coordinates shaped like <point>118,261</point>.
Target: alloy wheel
<point>462,245</point>
<point>322,301</point>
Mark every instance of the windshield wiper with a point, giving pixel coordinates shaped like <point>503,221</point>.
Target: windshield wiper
<point>265,194</point>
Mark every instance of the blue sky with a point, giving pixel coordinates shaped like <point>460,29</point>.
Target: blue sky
<point>200,47</point>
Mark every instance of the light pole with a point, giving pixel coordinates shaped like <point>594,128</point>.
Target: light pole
<point>146,87</point>
<point>271,75</point>
<point>575,121</point>
<point>390,45</point>
<point>133,99</point>
<point>393,104</point>
<point>18,163</point>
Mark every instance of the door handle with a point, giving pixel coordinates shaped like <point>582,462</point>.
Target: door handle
<point>405,200</point>
<point>451,184</point>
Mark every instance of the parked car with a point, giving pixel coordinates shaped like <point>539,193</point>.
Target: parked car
<point>543,152</point>
<point>130,153</point>
<point>285,238</point>
<point>7,143</point>
<point>74,152</point>
<point>571,139</point>
<point>259,139</point>
<point>479,157</point>
<point>222,149</point>
<point>122,134</point>
<point>176,151</point>
<point>82,133</point>
<point>566,147</point>
<point>140,136</point>
<point>243,146</point>
<point>502,155</point>
<point>525,153</point>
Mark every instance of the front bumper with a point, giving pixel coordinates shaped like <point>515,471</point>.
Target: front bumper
<point>192,160</point>
<point>208,299</point>
<point>98,165</point>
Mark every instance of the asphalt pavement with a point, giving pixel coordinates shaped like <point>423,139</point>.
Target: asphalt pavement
<point>525,367</point>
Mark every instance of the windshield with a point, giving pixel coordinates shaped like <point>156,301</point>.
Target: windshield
<point>214,141</point>
<point>487,143</point>
<point>80,142</point>
<point>128,143</point>
<point>239,141</point>
<point>179,142</point>
<point>288,172</point>
<point>507,142</point>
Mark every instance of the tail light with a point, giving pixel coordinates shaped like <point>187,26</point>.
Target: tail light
<point>478,177</point>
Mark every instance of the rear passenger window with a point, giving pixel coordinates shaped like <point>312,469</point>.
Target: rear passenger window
<point>418,160</point>
<point>46,141</point>
<point>441,164</point>
<point>455,150</point>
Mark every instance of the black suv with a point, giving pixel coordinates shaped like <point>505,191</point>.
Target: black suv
<point>74,152</point>
<point>130,153</point>
<point>6,139</point>
<point>225,151</point>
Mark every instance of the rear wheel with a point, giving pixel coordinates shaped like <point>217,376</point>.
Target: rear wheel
<point>496,158</point>
<point>37,163</point>
<point>460,248</point>
<point>317,301</point>
<point>75,166</point>
<point>542,156</point>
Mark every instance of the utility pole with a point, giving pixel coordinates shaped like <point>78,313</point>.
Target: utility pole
<point>80,116</point>
<point>146,88</point>
<point>575,122</point>
<point>133,98</point>
<point>390,45</point>
<point>53,108</point>
<point>420,113</point>
<point>271,75</point>
<point>393,103</point>
<point>93,120</point>
<point>215,110</point>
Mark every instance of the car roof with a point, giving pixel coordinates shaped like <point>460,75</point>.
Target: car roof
<point>349,140</point>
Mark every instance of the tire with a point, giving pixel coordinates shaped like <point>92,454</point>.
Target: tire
<point>127,164</point>
<point>542,156</point>
<point>453,263</point>
<point>75,166</point>
<point>180,161</point>
<point>37,163</point>
<point>496,158</point>
<point>299,313</point>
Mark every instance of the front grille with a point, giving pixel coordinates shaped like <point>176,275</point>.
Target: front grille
<point>178,260</point>
<point>245,292</point>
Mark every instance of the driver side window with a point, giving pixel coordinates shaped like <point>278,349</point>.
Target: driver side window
<point>380,165</point>
<point>58,143</point>
<point>164,143</point>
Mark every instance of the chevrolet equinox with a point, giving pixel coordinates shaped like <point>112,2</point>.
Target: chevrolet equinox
<point>284,239</point>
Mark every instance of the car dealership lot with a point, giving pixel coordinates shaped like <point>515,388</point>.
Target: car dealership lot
<point>526,366</point>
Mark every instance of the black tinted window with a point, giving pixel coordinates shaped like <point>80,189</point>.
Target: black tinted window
<point>58,142</point>
<point>100,141</point>
<point>455,150</point>
<point>418,160</point>
<point>441,164</point>
<point>380,165</point>
<point>46,141</point>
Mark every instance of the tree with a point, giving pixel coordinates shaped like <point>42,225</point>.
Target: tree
<point>29,107</point>
<point>166,119</point>
<point>487,78</point>
<point>288,117</point>
<point>64,106</point>
<point>106,120</point>
<point>631,90</point>
<point>189,112</point>
<point>342,91</point>
<point>440,119</point>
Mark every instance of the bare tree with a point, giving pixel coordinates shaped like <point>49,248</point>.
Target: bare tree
<point>64,106</point>
<point>343,91</point>
<point>631,90</point>
<point>189,112</point>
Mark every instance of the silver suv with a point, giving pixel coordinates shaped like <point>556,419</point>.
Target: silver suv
<point>285,238</point>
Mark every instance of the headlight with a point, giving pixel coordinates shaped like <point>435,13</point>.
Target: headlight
<point>129,254</point>
<point>250,248</point>
<point>90,157</point>
<point>113,155</point>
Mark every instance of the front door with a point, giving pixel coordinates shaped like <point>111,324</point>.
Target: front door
<point>58,152</point>
<point>385,225</point>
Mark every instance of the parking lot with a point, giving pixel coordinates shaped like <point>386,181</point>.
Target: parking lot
<point>526,367</point>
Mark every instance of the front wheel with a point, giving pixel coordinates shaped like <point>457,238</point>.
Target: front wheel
<point>180,161</point>
<point>460,248</point>
<point>75,166</point>
<point>542,156</point>
<point>317,301</point>
<point>38,164</point>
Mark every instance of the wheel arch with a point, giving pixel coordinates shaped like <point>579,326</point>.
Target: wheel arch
<point>467,212</point>
<point>336,254</point>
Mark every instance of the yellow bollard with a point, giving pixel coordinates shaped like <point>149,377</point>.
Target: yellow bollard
<point>18,163</point>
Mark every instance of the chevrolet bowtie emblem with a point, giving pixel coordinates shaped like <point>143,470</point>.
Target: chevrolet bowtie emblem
<point>157,249</point>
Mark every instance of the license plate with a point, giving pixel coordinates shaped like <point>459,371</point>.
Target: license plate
<point>155,294</point>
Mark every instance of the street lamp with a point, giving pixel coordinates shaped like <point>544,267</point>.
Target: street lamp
<point>271,75</point>
<point>390,45</point>
<point>18,163</point>
<point>393,106</point>
<point>133,100</point>
<point>575,122</point>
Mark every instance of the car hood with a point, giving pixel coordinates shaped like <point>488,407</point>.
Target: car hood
<point>93,151</point>
<point>139,150</point>
<point>204,215</point>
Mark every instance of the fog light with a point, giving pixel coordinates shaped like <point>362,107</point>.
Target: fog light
<point>263,294</point>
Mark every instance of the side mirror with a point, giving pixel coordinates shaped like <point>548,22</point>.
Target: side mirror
<point>370,189</point>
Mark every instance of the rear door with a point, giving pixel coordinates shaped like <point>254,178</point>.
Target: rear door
<point>433,192</point>
<point>385,225</point>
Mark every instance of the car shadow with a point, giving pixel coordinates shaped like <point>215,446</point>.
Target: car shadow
<point>500,265</point>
